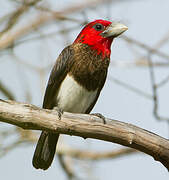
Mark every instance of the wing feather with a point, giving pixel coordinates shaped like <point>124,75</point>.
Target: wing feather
<point>58,73</point>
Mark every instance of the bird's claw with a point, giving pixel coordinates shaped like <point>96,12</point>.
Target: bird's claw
<point>59,111</point>
<point>100,116</point>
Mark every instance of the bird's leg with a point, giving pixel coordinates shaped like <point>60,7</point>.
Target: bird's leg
<point>59,111</point>
<point>100,116</point>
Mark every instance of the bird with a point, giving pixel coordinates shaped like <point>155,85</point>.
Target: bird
<point>77,79</point>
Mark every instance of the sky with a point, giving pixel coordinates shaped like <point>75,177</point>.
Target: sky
<point>147,22</point>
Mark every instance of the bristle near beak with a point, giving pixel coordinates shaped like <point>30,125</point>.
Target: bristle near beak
<point>114,30</point>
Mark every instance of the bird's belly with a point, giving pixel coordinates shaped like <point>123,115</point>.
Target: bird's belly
<point>74,98</point>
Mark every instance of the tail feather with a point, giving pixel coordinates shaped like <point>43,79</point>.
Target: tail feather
<point>45,150</point>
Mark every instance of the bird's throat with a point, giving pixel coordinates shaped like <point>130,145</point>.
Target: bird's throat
<point>101,45</point>
<point>103,48</point>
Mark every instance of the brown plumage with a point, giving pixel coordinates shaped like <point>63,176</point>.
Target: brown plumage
<point>89,68</point>
<point>76,81</point>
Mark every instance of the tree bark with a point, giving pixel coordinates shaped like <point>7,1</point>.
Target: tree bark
<point>29,116</point>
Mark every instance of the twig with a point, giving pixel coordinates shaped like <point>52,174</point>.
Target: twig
<point>10,37</point>
<point>163,82</point>
<point>68,170</point>
<point>154,90</point>
<point>14,17</point>
<point>131,88</point>
<point>146,47</point>
<point>162,41</point>
<point>12,146</point>
<point>6,91</point>
<point>88,155</point>
<point>47,35</point>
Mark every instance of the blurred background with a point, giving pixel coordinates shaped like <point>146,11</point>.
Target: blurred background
<point>32,35</point>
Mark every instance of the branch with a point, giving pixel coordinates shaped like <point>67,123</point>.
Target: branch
<point>155,92</point>
<point>146,47</point>
<point>6,92</point>
<point>88,126</point>
<point>41,19</point>
<point>14,17</point>
<point>88,155</point>
<point>131,88</point>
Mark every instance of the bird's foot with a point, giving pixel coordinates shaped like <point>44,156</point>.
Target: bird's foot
<point>100,116</point>
<point>59,111</point>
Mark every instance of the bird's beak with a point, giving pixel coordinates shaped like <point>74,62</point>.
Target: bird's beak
<point>114,30</point>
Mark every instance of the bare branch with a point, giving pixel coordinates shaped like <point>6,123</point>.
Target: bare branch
<point>14,17</point>
<point>88,126</point>
<point>146,47</point>
<point>6,91</point>
<point>131,88</point>
<point>163,82</point>
<point>140,62</point>
<point>65,166</point>
<point>10,37</point>
<point>89,155</point>
<point>155,93</point>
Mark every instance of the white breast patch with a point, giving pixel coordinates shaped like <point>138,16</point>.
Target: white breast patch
<point>74,98</point>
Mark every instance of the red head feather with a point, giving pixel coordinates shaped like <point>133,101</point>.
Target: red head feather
<point>91,36</point>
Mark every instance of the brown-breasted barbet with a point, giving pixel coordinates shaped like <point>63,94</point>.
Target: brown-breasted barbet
<point>76,79</point>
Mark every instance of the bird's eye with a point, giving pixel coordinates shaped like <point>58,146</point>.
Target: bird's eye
<point>98,27</point>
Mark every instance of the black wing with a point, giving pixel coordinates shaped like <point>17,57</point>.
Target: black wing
<point>45,149</point>
<point>59,71</point>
